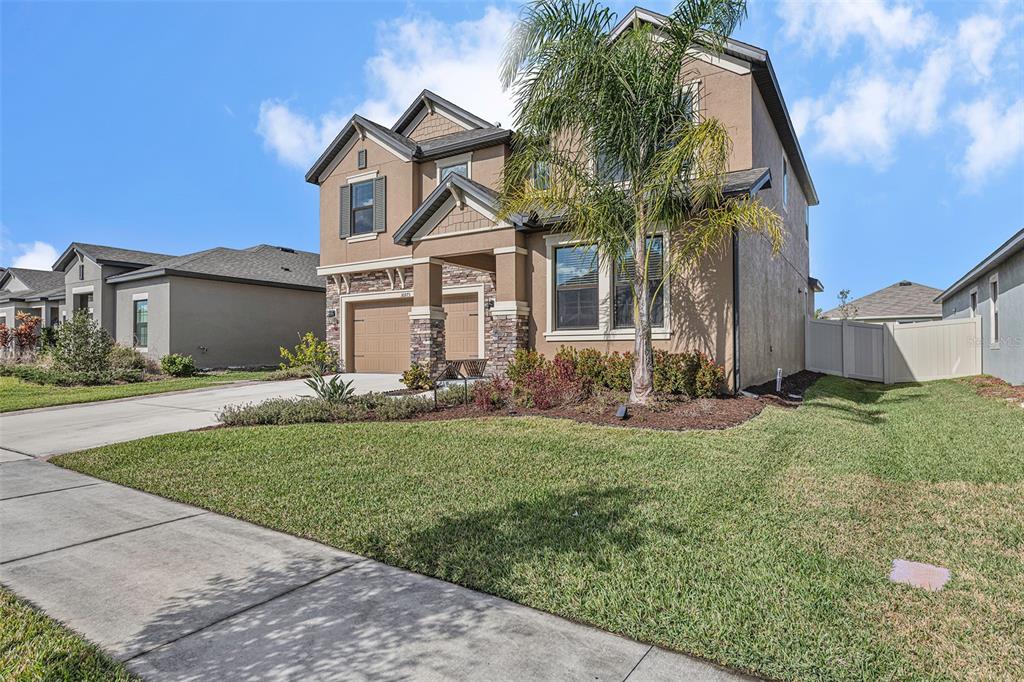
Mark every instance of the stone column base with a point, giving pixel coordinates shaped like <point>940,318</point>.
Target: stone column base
<point>508,333</point>
<point>426,339</point>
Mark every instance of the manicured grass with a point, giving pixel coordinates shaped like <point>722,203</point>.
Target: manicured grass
<point>35,647</point>
<point>16,394</point>
<point>766,547</point>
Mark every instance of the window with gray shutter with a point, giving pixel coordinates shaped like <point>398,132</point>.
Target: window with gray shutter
<point>379,218</point>
<point>345,223</point>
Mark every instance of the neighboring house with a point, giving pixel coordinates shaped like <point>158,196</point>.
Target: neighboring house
<point>419,269</point>
<point>994,291</point>
<point>36,292</point>
<point>904,301</point>
<point>224,307</point>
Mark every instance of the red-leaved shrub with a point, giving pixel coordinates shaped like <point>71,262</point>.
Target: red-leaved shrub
<point>492,394</point>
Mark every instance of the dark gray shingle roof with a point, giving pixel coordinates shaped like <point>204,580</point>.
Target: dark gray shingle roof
<point>436,199</point>
<point>463,140</point>
<point>109,254</point>
<point>37,280</point>
<point>903,299</point>
<point>261,264</point>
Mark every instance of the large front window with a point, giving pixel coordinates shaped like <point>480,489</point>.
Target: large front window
<point>362,207</point>
<point>623,315</point>
<point>141,325</point>
<point>576,280</point>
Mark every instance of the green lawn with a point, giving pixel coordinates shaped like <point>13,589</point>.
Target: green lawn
<point>35,647</point>
<point>766,547</point>
<point>16,394</point>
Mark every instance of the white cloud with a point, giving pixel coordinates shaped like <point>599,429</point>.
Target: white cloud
<point>978,37</point>
<point>997,136</point>
<point>35,256</point>
<point>457,61</point>
<point>880,25</point>
<point>865,116</point>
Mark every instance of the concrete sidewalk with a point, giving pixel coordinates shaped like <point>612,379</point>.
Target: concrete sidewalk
<point>184,594</point>
<point>67,428</point>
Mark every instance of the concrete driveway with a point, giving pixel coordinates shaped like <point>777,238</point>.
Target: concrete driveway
<point>180,593</point>
<point>55,430</point>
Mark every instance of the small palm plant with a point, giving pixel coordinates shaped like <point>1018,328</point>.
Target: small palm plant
<point>333,390</point>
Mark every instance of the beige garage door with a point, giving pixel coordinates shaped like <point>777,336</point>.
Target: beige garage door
<point>462,327</point>
<point>380,336</point>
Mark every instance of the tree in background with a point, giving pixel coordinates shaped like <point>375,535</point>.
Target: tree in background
<point>609,140</point>
<point>847,310</point>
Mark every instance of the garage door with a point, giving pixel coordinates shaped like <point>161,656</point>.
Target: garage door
<point>462,327</point>
<point>380,336</point>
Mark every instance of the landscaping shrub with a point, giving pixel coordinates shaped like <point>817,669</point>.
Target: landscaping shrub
<point>417,378</point>
<point>26,333</point>
<point>709,378</point>
<point>284,411</point>
<point>58,377</point>
<point>492,394</point>
<point>178,365</point>
<point>403,407</point>
<point>6,335</point>
<point>123,357</point>
<point>82,346</point>
<point>618,371</point>
<point>523,362</point>
<point>290,373</point>
<point>333,390</point>
<point>47,338</point>
<point>553,384</point>
<point>310,352</point>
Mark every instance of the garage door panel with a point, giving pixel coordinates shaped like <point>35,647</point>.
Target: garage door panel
<point>380,340</point>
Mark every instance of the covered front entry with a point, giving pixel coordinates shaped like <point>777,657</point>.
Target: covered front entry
<point>380,336</point>
<point>462,327</point>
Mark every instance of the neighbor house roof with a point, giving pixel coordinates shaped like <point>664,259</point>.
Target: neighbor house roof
<point>34,280</point>
<point>111,255</point>
<point>262,264</point>
<point>903,299</point>
<point>450,185</point>
<point>767,84</point>
<point>1007,249</point>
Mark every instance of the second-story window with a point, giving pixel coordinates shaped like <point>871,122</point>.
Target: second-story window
<point>458,168</point>
<point>362,207</point>
<point>785,184</point>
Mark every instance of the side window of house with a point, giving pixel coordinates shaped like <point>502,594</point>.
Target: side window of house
<point>807,223</point>
<point>141,323</point>
<point>785,184</point>
<point>974,303</point>
<point>81,271</point>
<point>576,290</point>
<point>994,310</point>
<point>623,314</point>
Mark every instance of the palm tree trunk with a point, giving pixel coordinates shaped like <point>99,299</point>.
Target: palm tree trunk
<point>643,354</point>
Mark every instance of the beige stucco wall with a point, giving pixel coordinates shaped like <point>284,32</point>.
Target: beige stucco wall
<point>229,324</point>
<point>486,167</point>
<point>773,289</point>
<point>159,293</point>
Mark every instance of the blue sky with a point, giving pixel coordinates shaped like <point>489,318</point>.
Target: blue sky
<point>174,127</point>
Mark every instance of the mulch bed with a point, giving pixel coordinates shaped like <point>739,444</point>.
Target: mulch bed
<point>676,415</point>
<point>792,385</point>
<point>993,387</point>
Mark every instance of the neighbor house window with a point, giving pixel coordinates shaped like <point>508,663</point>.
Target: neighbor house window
<point>576,279</point>
<point>81,272</point>
<point>807,223</point>
<point>140,327</point>
<point>623,313</point>
<point>362,207</point>
<point>458,168</point>
<point>994,309</point>
<point>974,302</point>
<point>785,184</point>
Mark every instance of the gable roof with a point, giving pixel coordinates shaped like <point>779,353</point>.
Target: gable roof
<point>451,184</point>
<point>768,85</point>
<point>479,134</point>
<point>431,99</point>
<point>1004,251</point>
<point>262,264</point>
<point>902,299</point>
<point>34,280</point>
<point>111,255</point>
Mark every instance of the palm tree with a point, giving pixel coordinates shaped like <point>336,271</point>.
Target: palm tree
<point>609,142</point>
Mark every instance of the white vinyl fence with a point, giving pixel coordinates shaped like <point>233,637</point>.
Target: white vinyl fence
<point>895,353</point>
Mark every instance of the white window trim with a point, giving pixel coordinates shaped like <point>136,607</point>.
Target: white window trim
<point>973,312</point>
<point>361,177</point>
<point>139,297</point>
<point>606,330</point>
<point>450,161</point>
<point>993,309</point>
<point>361,238</point>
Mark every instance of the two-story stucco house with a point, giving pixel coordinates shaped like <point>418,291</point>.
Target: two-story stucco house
<point>420,270</point>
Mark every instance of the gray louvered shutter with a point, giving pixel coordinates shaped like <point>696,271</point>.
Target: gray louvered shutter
<point>379,223</point>
<point>346,212</point>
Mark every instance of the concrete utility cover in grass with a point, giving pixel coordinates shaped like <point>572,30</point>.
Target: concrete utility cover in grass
<point>925,576</point>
